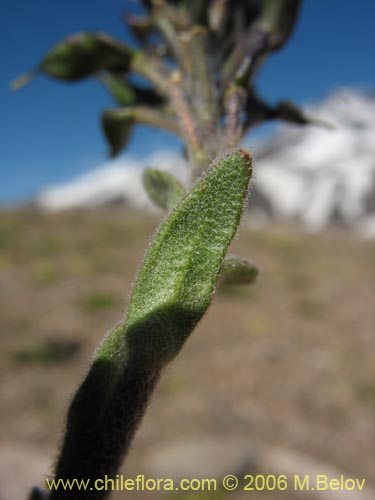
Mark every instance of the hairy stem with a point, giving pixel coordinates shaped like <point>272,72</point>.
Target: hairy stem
<point>153,70</point>
<point>96,444</point>
<point>197,155</point>
<point>201,87</point>
<point>155,118</point>
<point>234,104</point>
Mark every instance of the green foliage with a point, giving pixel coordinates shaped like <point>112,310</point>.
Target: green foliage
<point>192,75</point>
<point>129,95</point>
<point>311,309</point>
<point>117,126</point>
<point>97,301</point>
<point>48,352</point>
<point>7,238</point>
<point>277,20</point>
<point>49,246</point>
<point>83,55</point>
<point>237,271</point>
<point>163,188</point>
<point>182,264</point>
<point>177,279</point>
<point>258,110</point>
<point>123,93</point>
<point>173,289</point>
<point>207,43</point>
<point>45,273</point>
<point>365,390</point>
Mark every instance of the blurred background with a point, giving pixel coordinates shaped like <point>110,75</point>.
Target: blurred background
<point>279,377</point>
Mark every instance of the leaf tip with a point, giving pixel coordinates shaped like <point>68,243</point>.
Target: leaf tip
<point>247,156</point>
<point>242,155</point>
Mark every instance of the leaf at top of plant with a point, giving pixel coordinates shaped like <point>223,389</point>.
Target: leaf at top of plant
<point>229,17</point>
<point>163,188</point>
<point>123,93</point>
<point>290,112</point>
<point>117,126</point>
<point>237,271</point>
<point>127,94</point>
<point>82,55</point>
<point>278,18</point>
<point>176,282</point>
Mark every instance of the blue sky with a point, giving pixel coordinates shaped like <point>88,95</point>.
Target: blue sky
<point>50,131</point>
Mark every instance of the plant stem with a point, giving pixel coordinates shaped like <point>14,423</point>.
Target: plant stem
<point>153,70</point>
<point>201,88</point>
<point>154,117</point>
<point>195,150</point>
<point>234,103</point>
<point>97,442</point>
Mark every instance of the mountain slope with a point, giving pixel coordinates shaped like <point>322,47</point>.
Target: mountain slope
<point>311,175</point>
<point>319,176</point>
<point>119,181</point>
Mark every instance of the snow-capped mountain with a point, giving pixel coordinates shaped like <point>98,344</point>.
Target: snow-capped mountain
<point>314,175</point>
<point>320,176</point>
<point>118,181</point>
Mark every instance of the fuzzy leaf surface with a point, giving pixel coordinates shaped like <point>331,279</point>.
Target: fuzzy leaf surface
<point>163,188</point>
<point>278,18</point>
<point>117,126</point>
<point>123,93</point>
<point>176,282</point>
<point>237,271</point>
<point>127,94</point>
<point>118,123</point>
<point>84,54</point>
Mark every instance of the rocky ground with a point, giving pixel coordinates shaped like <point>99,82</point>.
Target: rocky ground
<point>277,377</point>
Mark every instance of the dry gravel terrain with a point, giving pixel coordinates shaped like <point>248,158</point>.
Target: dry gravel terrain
<point>285,365</point>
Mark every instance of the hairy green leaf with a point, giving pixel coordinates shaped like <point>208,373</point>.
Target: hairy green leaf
<point>85,54</point>
<point>278,18</point>
<point>257,110</point>
<point>237,271</point>
<point>117,126</point>
<point>163,188</point>
<point>82,55</point>
<point>290,112</point>
<point>177,280</point>
<point>127,94</point>
<point>123,93</point>
<point>117,123</point>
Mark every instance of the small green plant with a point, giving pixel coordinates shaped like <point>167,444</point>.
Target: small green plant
<point>97,301</point>
<point>191,72</point>
<point>45,273</point>
<point>52,350</point>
